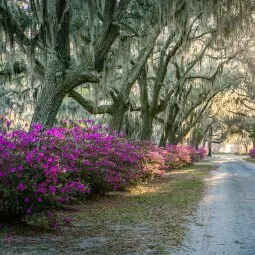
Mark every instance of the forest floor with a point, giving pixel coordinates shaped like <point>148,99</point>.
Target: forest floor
<point>148,219</point>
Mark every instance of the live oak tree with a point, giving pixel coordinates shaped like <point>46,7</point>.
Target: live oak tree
<point>49,44</point>
<point>113,46</point>
<point>156,71</point>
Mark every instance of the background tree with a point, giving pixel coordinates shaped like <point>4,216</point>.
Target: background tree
<point>149,68</point>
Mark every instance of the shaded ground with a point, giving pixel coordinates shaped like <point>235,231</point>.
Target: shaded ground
<point>145,220</point>
<point>225,221</point>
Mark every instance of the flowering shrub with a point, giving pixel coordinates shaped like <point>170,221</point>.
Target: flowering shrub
<point>202,152</point>
<point>252,153</point>
<point>32,176</point>
<point>157,159</point>
<point>40,169</point>
<point>178,156</point>
<point>109,162</point>
<point>153,158</point>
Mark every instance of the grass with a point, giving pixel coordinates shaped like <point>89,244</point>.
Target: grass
<point>251,160</point>
<point>159,206</point>
<point>148,217</point>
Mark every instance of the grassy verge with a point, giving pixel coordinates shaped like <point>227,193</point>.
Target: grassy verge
<point>149,216</point>
<point>251,160</point>
<point>146,218</point>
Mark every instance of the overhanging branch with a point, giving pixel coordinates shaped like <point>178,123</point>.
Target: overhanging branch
<point>89,105</point>
<point>78,75</point>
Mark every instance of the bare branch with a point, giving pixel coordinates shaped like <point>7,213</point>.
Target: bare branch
<point>211,78</point>
<point>111,17</point>
<point>89,105</point>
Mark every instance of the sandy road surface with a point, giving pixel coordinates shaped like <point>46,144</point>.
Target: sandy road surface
<point>225,221</point>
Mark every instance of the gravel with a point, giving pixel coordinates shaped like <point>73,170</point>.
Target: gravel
<point>225,220</point>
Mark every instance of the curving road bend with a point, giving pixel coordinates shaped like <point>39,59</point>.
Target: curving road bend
<point>225,221</point>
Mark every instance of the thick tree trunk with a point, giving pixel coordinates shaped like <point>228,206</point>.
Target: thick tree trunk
<point>172,138</point>
<point>147,115</point>
<point>246,149</point>
<point>47,106</point>
<point>163,140</point>
<point>51,95</point>
<point>146,126</point>
<point>54,90</point>
<point>168,136</point>
<point>58,82</point>
<point>196,138</point>
<point>210,142</point>
<point>117,118</point>
<point>209,148</point>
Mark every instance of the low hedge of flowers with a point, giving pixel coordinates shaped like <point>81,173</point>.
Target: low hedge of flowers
<point>178,156</point>
<point>202,152</point>
<point>42,169</point>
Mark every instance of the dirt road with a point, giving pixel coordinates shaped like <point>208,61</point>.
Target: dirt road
<point>225,221</point>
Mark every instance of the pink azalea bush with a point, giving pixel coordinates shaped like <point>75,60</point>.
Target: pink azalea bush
<point>42,169</point>
<point>178,156</point>
<point>153,157</point>
<point>157,159</point>
<point>202,152</point>
<point>252,153</point>
<point>32,174</point>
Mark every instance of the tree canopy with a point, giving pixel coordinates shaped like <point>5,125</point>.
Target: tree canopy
<point>155,69</point>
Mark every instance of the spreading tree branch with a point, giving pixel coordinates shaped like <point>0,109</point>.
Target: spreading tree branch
<point>89,105</point>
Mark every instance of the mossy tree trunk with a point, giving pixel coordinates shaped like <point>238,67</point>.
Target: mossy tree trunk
<point>60,77</point>
<point>210,141</point>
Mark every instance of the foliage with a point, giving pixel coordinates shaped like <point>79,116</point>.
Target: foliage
<point>139,36</point>
<point>153,157</point>
<point>202,152</point>
<point>42,169</point>
<point>252,132</point>
<point>178,156</point>
<point>34,175</point>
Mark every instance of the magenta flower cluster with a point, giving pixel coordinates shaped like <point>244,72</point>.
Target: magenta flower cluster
<point>202,152</point>
<point>178,156</point>
<point>170,157</point>
<point>40,169</point>
<point>153,157</point>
